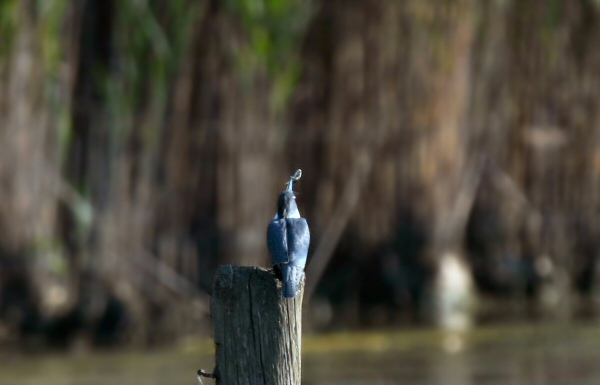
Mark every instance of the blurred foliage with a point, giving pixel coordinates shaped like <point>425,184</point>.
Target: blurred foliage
<point>274,30</point>
<point>52,20</point>
<point>53,17</point>
<point>9,16</point>
<point>151,38</point>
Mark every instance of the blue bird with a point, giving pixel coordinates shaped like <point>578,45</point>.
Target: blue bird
<point>288,238</point>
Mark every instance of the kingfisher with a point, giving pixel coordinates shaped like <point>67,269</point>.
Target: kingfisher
<point>288,238</point>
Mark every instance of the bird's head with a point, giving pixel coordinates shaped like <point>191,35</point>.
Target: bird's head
<point>286,206</point>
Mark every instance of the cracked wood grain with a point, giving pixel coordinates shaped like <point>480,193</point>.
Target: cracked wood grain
<point>257,332</point>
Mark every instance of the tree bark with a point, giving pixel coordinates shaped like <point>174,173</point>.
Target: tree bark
<point>257,331</point>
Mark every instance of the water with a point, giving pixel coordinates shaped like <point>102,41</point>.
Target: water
<point>509,356</point>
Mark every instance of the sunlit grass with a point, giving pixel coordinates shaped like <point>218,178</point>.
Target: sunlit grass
<point>332,358</point>
<point>410,339</point>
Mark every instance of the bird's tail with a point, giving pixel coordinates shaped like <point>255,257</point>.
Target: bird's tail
<point>291,278</point>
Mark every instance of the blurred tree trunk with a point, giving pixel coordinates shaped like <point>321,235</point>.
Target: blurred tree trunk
<point>28,151</point>
<point>249,168</point>
<point>399,104</point>
<point>552,64</point>
<point>258,48</point>
<point>448,175</point>
<point>147,142</point>
<point>34,105</point>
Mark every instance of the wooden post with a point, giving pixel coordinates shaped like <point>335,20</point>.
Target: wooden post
<point>257,331</point>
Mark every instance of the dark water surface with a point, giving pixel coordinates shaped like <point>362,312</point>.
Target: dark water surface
<point>529,355</point>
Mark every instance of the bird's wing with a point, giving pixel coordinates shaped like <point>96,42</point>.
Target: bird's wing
<point>298,240</point>
<point>277,241</point>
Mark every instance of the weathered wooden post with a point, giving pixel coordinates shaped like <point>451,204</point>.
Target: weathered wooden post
<point>257,331</point>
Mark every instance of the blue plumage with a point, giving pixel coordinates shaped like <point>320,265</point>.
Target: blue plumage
<point>288,238</point>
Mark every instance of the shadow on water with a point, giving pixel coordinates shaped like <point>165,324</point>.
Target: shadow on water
<point>508,355</point>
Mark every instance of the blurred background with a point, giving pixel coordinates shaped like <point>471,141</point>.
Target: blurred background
<point>450,149</point>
